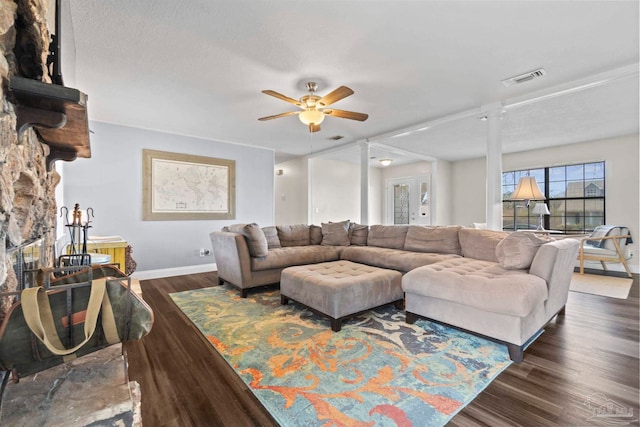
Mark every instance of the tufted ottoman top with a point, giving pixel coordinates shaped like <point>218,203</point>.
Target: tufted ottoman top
<point>336,270</point>
<point>480,284</point>
<point>341,288</point>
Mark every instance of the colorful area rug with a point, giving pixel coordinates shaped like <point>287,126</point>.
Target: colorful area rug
<point>606,286</point>
<point>377,371</point>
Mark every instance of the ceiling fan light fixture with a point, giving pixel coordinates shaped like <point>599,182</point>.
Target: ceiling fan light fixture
<point>311,116</point>
<point>385,162</point>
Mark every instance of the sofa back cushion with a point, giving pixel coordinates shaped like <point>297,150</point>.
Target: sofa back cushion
<point>315,234</point>
<point>480,244</point>
<point>443,240</point>
<point>293,235</point>
<point>517,250</point>
<point>387,236</point>
<point>271,233</point>
<point>358,234</point>
<point>335,233</point>
<point>256,240</point>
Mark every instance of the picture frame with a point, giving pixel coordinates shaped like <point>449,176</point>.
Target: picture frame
<point>187,187</point>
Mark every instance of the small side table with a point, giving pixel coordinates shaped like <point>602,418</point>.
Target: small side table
<point>111,245</point>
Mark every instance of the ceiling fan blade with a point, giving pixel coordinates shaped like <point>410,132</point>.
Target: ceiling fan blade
<point>346,114</point>
<point>314,128</point>
<point>336,95</point>
<point>282,97</point>
<point>288,113</point>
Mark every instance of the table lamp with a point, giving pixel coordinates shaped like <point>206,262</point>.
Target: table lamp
<point>541,209</point>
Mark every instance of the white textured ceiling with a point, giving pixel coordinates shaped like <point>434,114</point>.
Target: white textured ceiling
<point>197,68</point>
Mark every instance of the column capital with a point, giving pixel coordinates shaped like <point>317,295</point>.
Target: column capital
<point>495,109</point>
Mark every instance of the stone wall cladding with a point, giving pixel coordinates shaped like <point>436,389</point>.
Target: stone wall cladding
<point>27,190</point>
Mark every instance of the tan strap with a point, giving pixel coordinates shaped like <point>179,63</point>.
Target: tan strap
<point>109,321</point>
<point>39,317</point>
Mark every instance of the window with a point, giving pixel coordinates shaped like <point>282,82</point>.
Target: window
<point>575,196</point>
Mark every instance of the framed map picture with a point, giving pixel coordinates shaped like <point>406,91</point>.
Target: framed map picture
<point>185,187</point>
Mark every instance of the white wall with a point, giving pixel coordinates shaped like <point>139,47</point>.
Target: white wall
<point>441,191</point>
<point>111,183</point>
<point>621,156</point>
<point>291,197</point>
<point>468,191</point>
<point>405,171</point>
<point>335,191</point>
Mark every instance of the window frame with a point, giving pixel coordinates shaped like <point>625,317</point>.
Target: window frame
<point>526,219</point>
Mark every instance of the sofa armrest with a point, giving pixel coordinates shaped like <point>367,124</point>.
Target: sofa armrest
<point>232,257</point>
<point>554,262</point>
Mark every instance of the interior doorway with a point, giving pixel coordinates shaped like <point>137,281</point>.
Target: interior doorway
<point>408,201</point>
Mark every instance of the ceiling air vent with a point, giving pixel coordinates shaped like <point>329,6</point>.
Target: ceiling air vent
<point>524,77</point>
<point>335,138</point>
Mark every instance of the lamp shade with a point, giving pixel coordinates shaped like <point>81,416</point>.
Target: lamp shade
<point>527,189</point>
<point>310,116</point>
<point>541,209</point>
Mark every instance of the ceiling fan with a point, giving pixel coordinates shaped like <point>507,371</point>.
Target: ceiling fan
<point>314,107</point>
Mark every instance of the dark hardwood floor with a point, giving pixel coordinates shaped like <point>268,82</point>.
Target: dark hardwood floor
<point>592,349</point>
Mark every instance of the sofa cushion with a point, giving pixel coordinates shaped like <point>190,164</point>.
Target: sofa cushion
<point>480,244</point>
<point>387,236</point>
<point>256,240</point>
<point>442,240</point>
<point>295,255</point>
<point>480,284</point>
<point>517,250</point>
<point>395,259</point>
<point>358,234</point>
<point>293,235</point>
<point>335,233</point>
<point>271,233</point>
<point>315,234</point>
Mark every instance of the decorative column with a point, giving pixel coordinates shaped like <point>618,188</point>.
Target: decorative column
<point>364,182</point>
<point>494,167</point>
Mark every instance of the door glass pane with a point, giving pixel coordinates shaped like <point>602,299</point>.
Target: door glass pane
<point>401,204</point>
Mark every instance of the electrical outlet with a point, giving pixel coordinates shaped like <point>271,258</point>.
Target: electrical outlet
<point>204,252</point>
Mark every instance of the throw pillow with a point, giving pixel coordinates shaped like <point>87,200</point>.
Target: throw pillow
<point>517,250</point>
<point>335,233</point>
<point>480,244</point>
<point>358,234</point>
<point>256,240</point>
<point>315,234</point>
<point>271,233</point>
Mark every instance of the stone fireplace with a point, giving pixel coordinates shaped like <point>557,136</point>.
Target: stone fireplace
<point>27,200</point>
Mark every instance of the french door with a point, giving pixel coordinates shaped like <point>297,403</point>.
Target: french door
<point>408,201</point>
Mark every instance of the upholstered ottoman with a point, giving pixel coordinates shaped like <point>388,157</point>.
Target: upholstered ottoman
<point>340,289</point>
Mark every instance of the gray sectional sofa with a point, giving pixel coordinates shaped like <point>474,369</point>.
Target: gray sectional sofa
<point>504,286</point>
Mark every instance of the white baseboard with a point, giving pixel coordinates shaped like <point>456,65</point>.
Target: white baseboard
<point>175,271</point>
